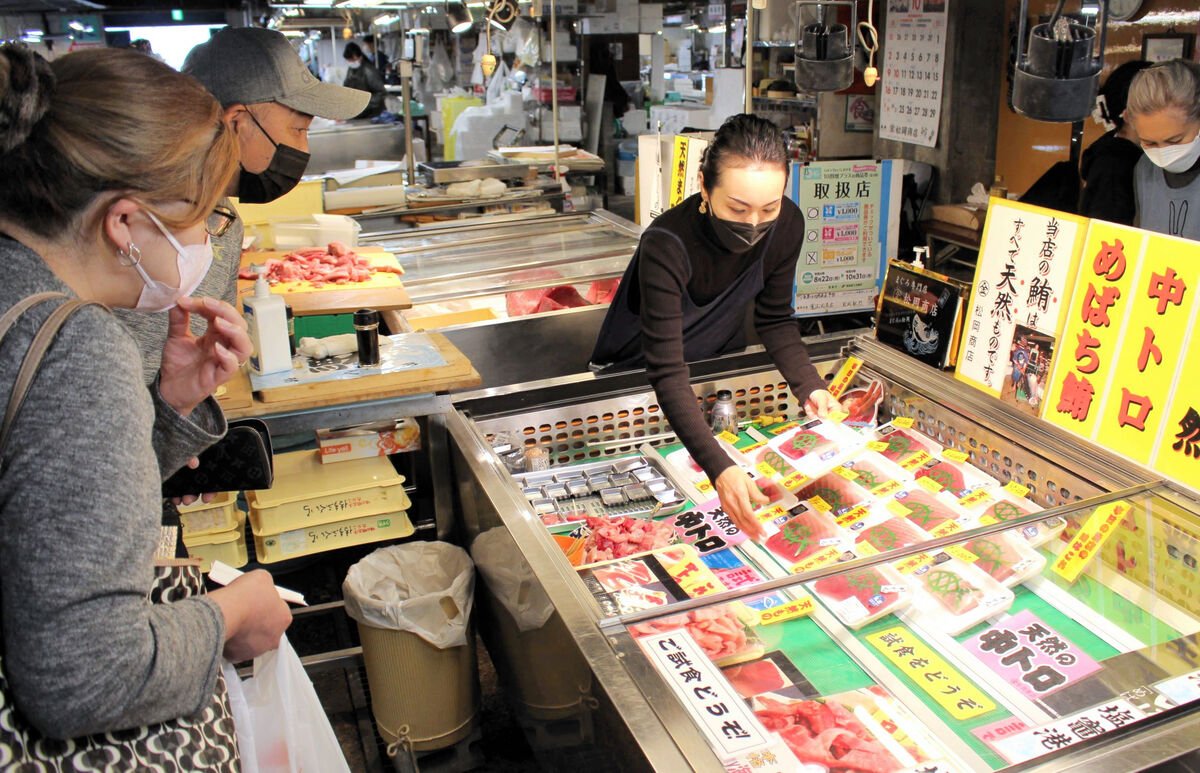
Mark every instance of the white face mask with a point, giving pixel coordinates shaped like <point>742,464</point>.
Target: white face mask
<point>192,261</point>
<point>354,65</point>
<point>1176,158</point>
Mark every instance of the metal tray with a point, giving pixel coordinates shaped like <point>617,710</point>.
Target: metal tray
<point>634,485</point>
<point>439,172</point>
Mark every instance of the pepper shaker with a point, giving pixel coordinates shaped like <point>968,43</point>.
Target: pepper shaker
<point>366,327</point>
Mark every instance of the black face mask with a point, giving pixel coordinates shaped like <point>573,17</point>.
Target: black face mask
<point>281,175</point>
<point>738,237</point>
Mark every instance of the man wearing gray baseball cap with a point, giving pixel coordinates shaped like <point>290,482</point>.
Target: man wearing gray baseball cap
<point>269,97</point>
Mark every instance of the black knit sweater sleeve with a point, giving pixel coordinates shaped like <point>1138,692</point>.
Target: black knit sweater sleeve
<point>663,277</point>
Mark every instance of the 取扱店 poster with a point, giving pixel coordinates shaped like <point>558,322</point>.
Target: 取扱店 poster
<point>849,230</point>
<point>913,61</point>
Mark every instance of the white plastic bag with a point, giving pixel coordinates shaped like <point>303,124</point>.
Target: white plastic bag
<point>426,588</point>
<point>510,579</point>
<point>281,725</point>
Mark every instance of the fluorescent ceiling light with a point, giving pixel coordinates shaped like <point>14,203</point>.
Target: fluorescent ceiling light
<point>293,34</point>
<point>34,33</point>
<point>717,28</point>
<point>385,19</point>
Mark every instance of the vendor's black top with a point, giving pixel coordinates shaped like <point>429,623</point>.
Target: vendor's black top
<point>366,78</point>
<point>683,298</point>
<point>1107,170</point>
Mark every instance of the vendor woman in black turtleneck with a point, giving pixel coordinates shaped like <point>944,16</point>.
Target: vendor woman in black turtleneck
<point>684,295</point>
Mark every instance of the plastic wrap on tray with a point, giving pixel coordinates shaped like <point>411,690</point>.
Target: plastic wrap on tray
<point>957,478</point>
<point>952,596</point>
<point>890,534</point>
<point>1007,558</point>
<point>815,446</point>
<point>907,446</point>
<point>725,632</point>
<point>998,505</point>
<point>836,491</point>
<point>619,537</point>
<point>880,476</point>
<point>824,734</point>
<point>863,596</point>
<point>935,514</point>
<point>803,536</point>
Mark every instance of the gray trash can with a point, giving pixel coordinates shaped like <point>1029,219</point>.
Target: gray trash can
<point>412,604</point>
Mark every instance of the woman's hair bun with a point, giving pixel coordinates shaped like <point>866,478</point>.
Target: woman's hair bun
<point>26,86</point>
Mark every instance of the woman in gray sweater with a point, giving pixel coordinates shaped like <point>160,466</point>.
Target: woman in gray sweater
<point>111,163</point>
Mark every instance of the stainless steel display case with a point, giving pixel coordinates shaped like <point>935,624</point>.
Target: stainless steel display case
<point>582,417</point>
<point>340,145</point>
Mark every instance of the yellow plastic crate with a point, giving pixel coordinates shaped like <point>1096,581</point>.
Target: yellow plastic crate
<point>228,546</point>
<point>308,493</point>
<point>201,518</point>
<point>330,536</point>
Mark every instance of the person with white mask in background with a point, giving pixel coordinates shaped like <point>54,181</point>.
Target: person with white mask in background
<point>268,98</point>
<point>1164,110</point>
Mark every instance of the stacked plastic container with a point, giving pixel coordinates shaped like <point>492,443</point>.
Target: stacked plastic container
<point>215,530</point>
<point>314,507</point>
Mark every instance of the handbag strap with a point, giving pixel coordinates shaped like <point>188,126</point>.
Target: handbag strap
<point>37,349</point>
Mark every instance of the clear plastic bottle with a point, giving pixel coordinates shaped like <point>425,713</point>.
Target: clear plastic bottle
<point>724,413</point>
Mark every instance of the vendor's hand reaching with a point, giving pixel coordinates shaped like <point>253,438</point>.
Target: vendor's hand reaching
<point>738,496</point>
<point>821,403</point>
<point>193,367</point>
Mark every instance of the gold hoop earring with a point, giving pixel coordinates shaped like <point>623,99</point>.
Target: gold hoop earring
<point>703,207</point>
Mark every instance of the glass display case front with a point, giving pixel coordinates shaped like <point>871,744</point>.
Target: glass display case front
<point>926,596</point>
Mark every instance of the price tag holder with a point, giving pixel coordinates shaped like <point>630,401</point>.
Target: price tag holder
<point>903,422</point>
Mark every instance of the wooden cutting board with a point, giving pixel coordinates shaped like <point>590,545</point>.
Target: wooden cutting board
<point>457,373</point>
<point>384,290</point>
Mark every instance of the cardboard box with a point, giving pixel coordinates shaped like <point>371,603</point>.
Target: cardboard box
<point>377,439</point>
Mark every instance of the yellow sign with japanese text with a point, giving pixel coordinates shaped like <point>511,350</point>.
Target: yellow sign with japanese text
<point>1087,349</point>
<point>959,696</point>
<point>1156,334</point>
<point>1178,456</point>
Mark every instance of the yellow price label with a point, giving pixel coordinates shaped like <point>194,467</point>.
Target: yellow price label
<point>798,608</point>
<point>1090,538</point>
<point>844,376</point>
<point>728,437</point>
<point>795,481</point>
<point>913,563</point>
<point>925,668</point>
<point>694,576</point>
<point>954,455</point>
<point>886,488</point>
<point>903,422</point>
<point>766,470</point>
<point>898,509</point>
<point>976,497</point>
<point>851,517</point>
<point>961,553</point>
<point>837,417</point>
<point>846,473</point>
<point>919,459</point>
<point>704,486</point>
<point>877,445</point>
<point>929,484</point>
<point>820,504</point>
<point>865,549</point>
<point>771,513</point>
<point>988,520</point>
<point>782,428</point>
<point>946,529</point>
<point>752,448</point>
<point>817,560</point>
<point>1016,489</point>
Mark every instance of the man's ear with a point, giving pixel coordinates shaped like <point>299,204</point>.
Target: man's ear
<point>235,116</point>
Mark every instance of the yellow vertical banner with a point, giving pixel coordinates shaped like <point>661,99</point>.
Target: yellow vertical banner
<point>679,167</point>
<point>1151,348</point>
<point>1087,349</point>
<point>1177,455</point>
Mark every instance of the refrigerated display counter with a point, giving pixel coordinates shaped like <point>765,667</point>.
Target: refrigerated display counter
<point>945,584</point>
<point>505,267</point>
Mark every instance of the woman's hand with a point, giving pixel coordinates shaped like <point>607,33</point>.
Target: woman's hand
<point>821,403</point>
<point>738,496</point>
<point>192,368</point>
<point>255,616</point>
<point>188,499</point>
